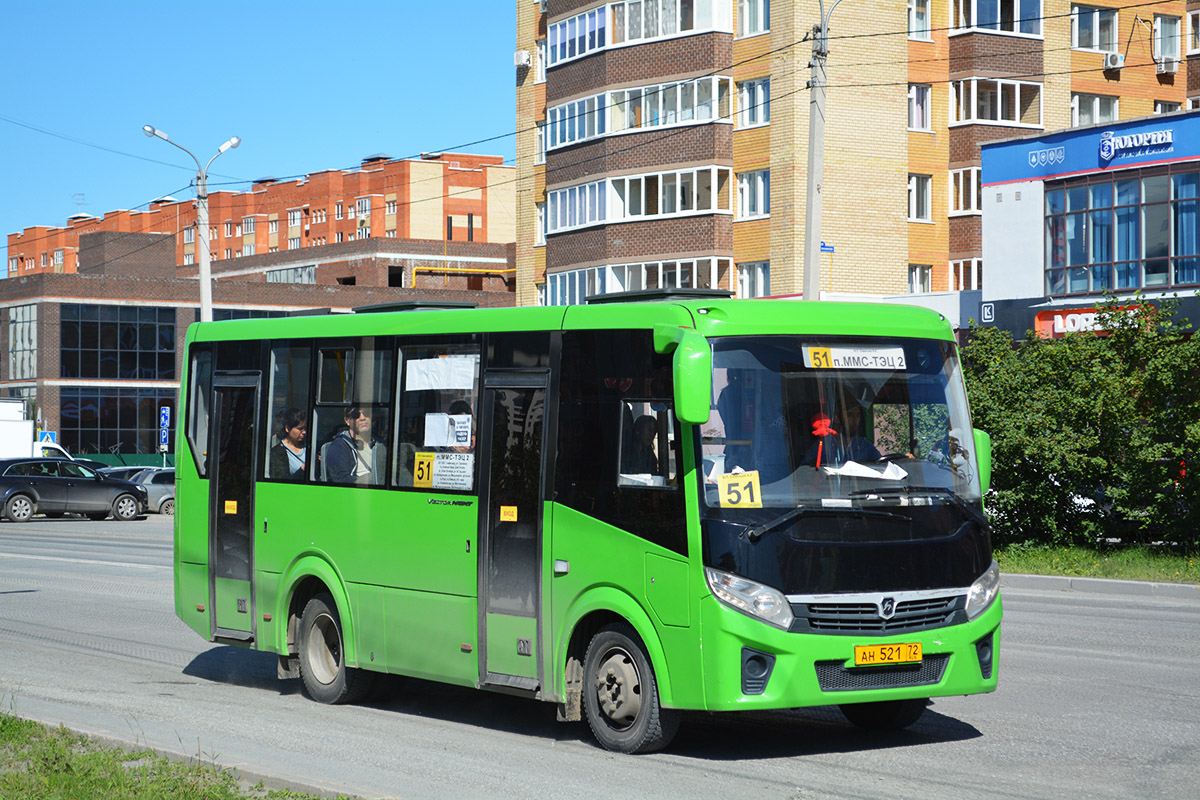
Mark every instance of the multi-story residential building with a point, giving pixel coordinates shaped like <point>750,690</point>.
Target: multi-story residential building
<point>665,142</point>
<point>441,197</point>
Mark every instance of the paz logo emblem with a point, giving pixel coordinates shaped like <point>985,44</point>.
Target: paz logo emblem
<point>887,608</point>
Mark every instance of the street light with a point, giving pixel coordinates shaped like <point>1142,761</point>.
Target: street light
<point>201,215</point>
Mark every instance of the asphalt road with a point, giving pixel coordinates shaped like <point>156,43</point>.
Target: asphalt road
<point>1098,697</point>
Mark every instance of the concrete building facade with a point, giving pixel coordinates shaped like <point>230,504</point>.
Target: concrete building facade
<point>665,142</point>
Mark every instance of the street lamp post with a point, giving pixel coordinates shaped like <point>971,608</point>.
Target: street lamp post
<point>201,215</point>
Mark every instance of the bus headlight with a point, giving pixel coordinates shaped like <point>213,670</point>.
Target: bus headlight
<point>983,591</point>
<point>750,597</point>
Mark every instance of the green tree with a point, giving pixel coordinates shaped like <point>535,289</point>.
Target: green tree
<point>1092,431</point>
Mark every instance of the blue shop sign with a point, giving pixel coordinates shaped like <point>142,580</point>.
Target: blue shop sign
<point>1153,140</point>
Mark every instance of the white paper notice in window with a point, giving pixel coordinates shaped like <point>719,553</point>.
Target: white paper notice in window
<point>447,430</point>
<point>448,372</point>
<point>454,471</point>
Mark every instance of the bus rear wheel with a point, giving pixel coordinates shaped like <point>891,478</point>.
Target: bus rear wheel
<point>887,715</point>
<point>323,669</point>
<point>620,694</point>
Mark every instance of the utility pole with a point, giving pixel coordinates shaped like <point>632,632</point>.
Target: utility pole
<point>816,156</point>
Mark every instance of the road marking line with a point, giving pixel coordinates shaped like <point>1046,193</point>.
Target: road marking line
<point>85,561</point>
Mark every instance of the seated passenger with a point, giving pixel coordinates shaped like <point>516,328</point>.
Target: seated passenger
<point>350,456</point>
<point>642,459</point>
<point>287,458</point>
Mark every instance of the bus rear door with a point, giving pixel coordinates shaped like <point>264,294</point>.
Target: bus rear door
<point>231,506</point>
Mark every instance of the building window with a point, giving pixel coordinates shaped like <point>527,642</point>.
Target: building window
<point>337,211</point>
<point>44,260</point>
<point>1089,109</point>
<point>966,195</point>
<point>294,243</point>
<point>273,226</point>
<point>305,274</point>
<point>575,286</point>
<point>228,229</point>
<point>1023,17</point>
<point>22,342</point>
<point>1140,231</point>
<point>229,252</point>
<point>920,277</point>
<point>247,226</point>
<point>189,259</point>
<point>1094,28</point>
<point>966,274</point>
<point>248,250</point>
<point>754,194</point>
<point>294,218</point>
<point>117,342</point>
<point>918,20</point>
<point>111,420</point>
<point>189,235</point>
<point>1193,33</point>
<point>754,102</point>
<point>1166,37</point>
<point>982,100</point>
<point>58,258</point>
<point>754,279</point>
<point>14,264</point>
<point>918,107</point>
<point>754,17</point>
<point>540,232</point>
<point>919,190</point>
<point>363,206</point>
<point>539,152</point>
<point>340,237</point>
<point>539,66</point>
<point>578,206</point>
<point>390,208</point>
<point>1166,106</point>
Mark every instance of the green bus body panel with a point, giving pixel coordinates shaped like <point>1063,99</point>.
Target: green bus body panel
<point>608,573</point>
<point>667,590</point>
<point>191,590</point>
<point>426,633</point>
<point>503,631</point>
<point>793,681</point>
<point>228,616</point>
<point>315,564</point>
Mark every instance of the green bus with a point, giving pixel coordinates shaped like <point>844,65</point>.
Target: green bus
<point>650,503</point>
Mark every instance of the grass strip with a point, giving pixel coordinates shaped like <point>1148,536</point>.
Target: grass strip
<point>1123,563</point>
<point>42,763</point>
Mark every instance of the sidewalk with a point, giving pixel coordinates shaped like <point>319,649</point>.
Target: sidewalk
<point>1062,583</point>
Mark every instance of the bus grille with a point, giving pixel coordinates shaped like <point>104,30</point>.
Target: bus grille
<point>833,676</point>
<point>911,615</point>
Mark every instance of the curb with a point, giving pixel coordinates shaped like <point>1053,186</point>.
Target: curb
<point>1063,583</point>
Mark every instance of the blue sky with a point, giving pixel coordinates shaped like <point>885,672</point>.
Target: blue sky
<point>307,85</point>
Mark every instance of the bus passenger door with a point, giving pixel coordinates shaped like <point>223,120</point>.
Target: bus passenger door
<point>231,506</point>
<point>511,520</point>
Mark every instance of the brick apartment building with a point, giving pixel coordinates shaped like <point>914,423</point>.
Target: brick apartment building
<point>439,197</point>
<point>95,340</point>
<point>665,142</point>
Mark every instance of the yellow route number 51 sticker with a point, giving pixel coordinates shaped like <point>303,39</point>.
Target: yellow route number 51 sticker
<point>739,490</point>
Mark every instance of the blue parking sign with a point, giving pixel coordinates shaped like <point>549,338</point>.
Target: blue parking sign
<point>162,435</point>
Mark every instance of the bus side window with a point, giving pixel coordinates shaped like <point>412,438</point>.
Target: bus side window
<point>349,429</point>
<point>648,444</point>
<point>287,439</point>
<point>200,374</point>
<point>437,427</point>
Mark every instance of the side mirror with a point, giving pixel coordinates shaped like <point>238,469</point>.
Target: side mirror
<point>691,370</point>
<point>983,454</point>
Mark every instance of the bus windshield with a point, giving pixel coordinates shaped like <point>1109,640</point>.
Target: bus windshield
<point>836,422</point>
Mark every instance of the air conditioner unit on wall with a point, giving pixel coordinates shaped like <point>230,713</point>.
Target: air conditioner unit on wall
<point>522,58</point>
<point>1113,61</point>
<point>1168,66</point>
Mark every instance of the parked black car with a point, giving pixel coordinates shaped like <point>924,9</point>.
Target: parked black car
<point>56,486</point>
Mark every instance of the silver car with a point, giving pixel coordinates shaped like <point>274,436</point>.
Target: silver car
<point>160,488</point>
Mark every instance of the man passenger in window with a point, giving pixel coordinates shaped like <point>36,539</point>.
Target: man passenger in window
<point>642,459</point>
<point>288,457</point>
<point>351,457</point>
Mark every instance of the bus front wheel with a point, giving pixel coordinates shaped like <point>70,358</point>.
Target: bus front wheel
<point>620,694</point>
<point>886,715</point>
<point>326,677</point>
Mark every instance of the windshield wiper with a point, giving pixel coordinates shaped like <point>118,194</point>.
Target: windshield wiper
<point>942,491</point>
<point>755,532</point>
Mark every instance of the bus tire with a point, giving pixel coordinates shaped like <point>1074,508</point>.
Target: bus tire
<point>620,694</point>
<point>886,715</point>
<point>19,508</point>
<point>323,669</point>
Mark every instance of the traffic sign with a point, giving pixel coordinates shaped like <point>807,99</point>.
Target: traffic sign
<point>162,436</point>
<point>164,416</point>
<point>48,436</point>
<point>826,248</point>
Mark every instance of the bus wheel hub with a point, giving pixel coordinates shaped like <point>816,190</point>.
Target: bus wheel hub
<point>618,688</point>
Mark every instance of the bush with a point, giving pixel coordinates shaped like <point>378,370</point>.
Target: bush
<point>1094,435</point>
